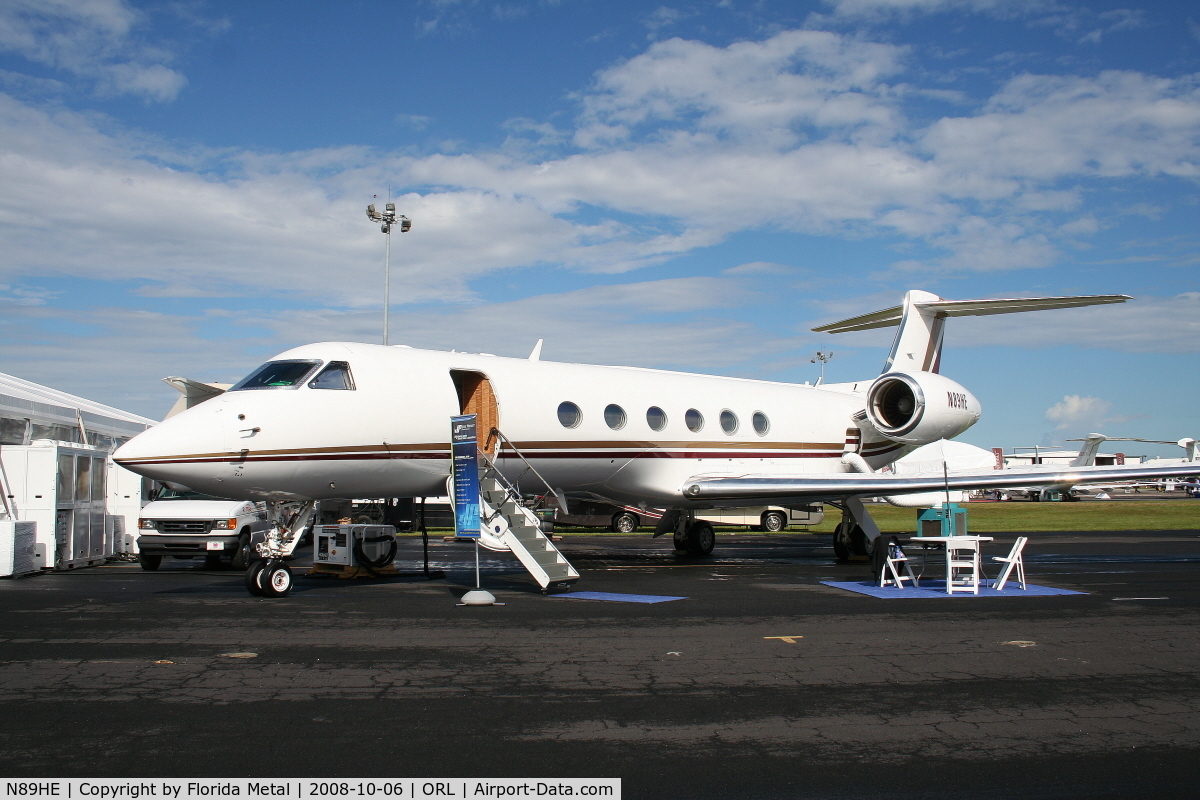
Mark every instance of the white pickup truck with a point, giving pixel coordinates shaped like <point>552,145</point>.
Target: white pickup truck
<point>186,524</point>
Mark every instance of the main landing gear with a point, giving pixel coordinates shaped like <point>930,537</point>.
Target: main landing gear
<point>696,537</point>
<point>855,534</point>
<point>849,540</point>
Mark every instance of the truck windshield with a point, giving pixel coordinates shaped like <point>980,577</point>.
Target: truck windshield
<point>167,493</point>
<point>278,375</point>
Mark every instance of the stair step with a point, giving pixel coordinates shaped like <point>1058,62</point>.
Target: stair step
<point>521,530</point>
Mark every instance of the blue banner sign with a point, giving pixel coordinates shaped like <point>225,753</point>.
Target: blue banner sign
<point>464,445</point>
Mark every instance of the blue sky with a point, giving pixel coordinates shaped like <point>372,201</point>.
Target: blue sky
<point>688,186</point>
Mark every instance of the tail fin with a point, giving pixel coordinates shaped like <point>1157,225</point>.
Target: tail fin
<point>922,319</point>
<point>1087,453</point>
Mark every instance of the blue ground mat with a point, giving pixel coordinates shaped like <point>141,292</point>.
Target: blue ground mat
<point>938,589</point>
<point>616,598</point>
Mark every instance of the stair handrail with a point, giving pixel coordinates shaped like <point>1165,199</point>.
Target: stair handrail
<point>510,490</point>
<point>505,440</point>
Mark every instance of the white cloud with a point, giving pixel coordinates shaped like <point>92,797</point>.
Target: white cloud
<point>748,90</point>
<point>93,40</point>
<point>1075,412</point>
<point>680,147</point>
<point>1042,128</point>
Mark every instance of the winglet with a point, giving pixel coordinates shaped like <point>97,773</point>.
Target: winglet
<point>536,355</point>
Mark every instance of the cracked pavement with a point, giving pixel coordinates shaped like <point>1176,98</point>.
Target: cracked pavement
<point>115,672</point>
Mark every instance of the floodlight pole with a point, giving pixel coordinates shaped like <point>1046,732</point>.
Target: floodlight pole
<point>387,280</point>
<point>824,357</point>
<point>388,218</point>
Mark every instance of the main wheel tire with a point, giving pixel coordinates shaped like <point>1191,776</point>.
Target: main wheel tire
<point>860,542</point>
<point>701,538</point>
<point>149,563</point>
<point>253,578</point>
<point>624,522</point>
<point>241,556</point>
<point>680,539</point>
<point>276,579</point>
<point>773,522</point>
<point>842,546</point>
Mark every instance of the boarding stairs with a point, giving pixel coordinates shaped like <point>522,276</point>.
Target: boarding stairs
<point>507,523</point>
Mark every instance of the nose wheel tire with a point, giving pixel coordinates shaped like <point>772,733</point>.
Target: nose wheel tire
<point>275,580</point>
<point>253,575</point>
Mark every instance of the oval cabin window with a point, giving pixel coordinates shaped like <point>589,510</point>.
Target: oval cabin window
<point>614,417</point>
<point>569,415</point>
<point>761,423</point>
<point>729,422</point>
<point>694,420</point>
<point>656,418</point>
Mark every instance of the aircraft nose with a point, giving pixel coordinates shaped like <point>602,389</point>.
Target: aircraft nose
<point>174,449</point>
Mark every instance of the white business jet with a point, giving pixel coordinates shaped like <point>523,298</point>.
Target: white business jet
<point>337,420</point>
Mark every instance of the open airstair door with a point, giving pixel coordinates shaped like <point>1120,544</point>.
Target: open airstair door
<point>475,396</point>
<point>508,524</point>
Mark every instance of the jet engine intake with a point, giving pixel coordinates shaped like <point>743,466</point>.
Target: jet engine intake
<point>920,407</point>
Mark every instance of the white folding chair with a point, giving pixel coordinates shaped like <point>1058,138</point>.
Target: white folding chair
<point>895,564</point>
<point>1013,559</point>
<point>962,565</point>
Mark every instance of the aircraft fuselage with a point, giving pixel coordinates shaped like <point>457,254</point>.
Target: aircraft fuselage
<point>388,436</point>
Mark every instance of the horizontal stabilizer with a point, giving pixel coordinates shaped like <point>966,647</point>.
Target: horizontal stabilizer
<point>969,308</point>
<point>922,321</point>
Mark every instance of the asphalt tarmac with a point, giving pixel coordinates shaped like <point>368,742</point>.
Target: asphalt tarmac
<point>112,671</point>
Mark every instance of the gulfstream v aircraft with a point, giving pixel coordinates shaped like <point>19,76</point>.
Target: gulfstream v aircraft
<point>337,419</point>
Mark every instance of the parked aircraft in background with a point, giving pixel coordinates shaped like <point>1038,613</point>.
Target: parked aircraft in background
<point>338,419</point>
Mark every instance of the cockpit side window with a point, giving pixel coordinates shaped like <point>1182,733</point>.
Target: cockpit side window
<point>336,375</point>
<point>278,375</point>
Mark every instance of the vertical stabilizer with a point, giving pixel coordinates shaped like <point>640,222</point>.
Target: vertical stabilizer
<point>918,343</point>
<point>1087,453</point>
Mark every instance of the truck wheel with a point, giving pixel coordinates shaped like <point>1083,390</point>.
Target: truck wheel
<point>241,556</point>
<point>149,563</point>
<point>275,579</point>
<point>624,523</point>
<point>253,575</point>
<point>773,522</point>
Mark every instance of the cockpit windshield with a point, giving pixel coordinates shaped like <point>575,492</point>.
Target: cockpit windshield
<point>278,375</point>
<point>336,375</point>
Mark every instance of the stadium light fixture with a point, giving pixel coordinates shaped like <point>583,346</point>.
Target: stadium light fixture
<point>387,219</point>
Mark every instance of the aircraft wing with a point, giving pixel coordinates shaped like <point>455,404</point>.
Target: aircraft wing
<point>809,488</point>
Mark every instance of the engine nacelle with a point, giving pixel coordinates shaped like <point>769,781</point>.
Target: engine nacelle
<point>920,407</point>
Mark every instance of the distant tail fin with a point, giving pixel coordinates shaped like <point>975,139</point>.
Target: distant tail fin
<point>922,319</point>
<point>1087,453</point>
